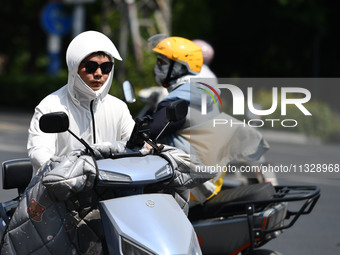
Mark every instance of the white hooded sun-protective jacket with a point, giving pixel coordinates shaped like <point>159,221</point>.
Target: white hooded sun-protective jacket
<point>94,116</point>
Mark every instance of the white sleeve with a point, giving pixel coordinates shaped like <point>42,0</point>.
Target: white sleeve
<point>127,123</point>
<point>40,146</point>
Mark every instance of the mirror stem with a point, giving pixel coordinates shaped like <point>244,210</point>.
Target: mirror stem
<point>88,150</point>
<point>88,147</point>
<point>160,133</point>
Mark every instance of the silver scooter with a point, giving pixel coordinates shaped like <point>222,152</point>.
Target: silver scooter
<point>134,221</point>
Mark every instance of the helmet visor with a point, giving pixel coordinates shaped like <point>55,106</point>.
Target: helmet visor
<point>154,40</point>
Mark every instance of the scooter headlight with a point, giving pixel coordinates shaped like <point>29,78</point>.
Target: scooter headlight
<point>195,248</point>
<point>113,177</point>
<point>164,172</point>
<point>130,248</point>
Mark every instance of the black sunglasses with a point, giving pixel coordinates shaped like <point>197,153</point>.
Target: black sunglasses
<point>92,66</point>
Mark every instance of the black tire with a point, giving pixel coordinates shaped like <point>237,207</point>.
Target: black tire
<point>265,252</point>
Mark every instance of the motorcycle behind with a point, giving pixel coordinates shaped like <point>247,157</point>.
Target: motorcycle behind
<point>250,210</point>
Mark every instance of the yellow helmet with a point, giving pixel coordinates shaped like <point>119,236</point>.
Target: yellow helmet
<point>182,51</point>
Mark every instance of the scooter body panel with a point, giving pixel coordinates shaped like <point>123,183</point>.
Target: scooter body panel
<point>154,222</point>
<point>140,170</point>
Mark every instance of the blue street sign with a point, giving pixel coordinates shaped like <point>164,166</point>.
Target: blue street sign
<point>55,20</point>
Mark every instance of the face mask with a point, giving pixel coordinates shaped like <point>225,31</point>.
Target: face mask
<point>84,93</point>
<point>161,69</point>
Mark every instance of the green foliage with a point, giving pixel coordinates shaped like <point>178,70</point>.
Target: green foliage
<point>280,38</point>
<point>323,123</point>
<point>22,38</point>
<point>140,79</point>
<point>27,91</point>
<point>193,19</point>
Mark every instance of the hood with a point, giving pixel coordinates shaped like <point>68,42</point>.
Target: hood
<point>80,47</point>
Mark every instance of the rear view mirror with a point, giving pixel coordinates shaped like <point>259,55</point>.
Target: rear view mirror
<point>129,92</point>
<point>58,122</point>
<point>177,110</point>
<point>55,122</point>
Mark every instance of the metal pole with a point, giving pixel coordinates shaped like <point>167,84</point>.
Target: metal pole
<point>78,19</point>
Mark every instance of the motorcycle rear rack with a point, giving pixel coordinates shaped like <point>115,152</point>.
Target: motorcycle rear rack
<point>307,195</point>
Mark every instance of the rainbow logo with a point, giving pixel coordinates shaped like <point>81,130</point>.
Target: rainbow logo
<point>209,93</point>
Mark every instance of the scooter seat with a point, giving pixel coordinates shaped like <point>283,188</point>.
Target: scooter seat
<point>16,173</point>
<point>226,202</point>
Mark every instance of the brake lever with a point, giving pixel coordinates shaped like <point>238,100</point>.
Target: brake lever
<point>157,148</point>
